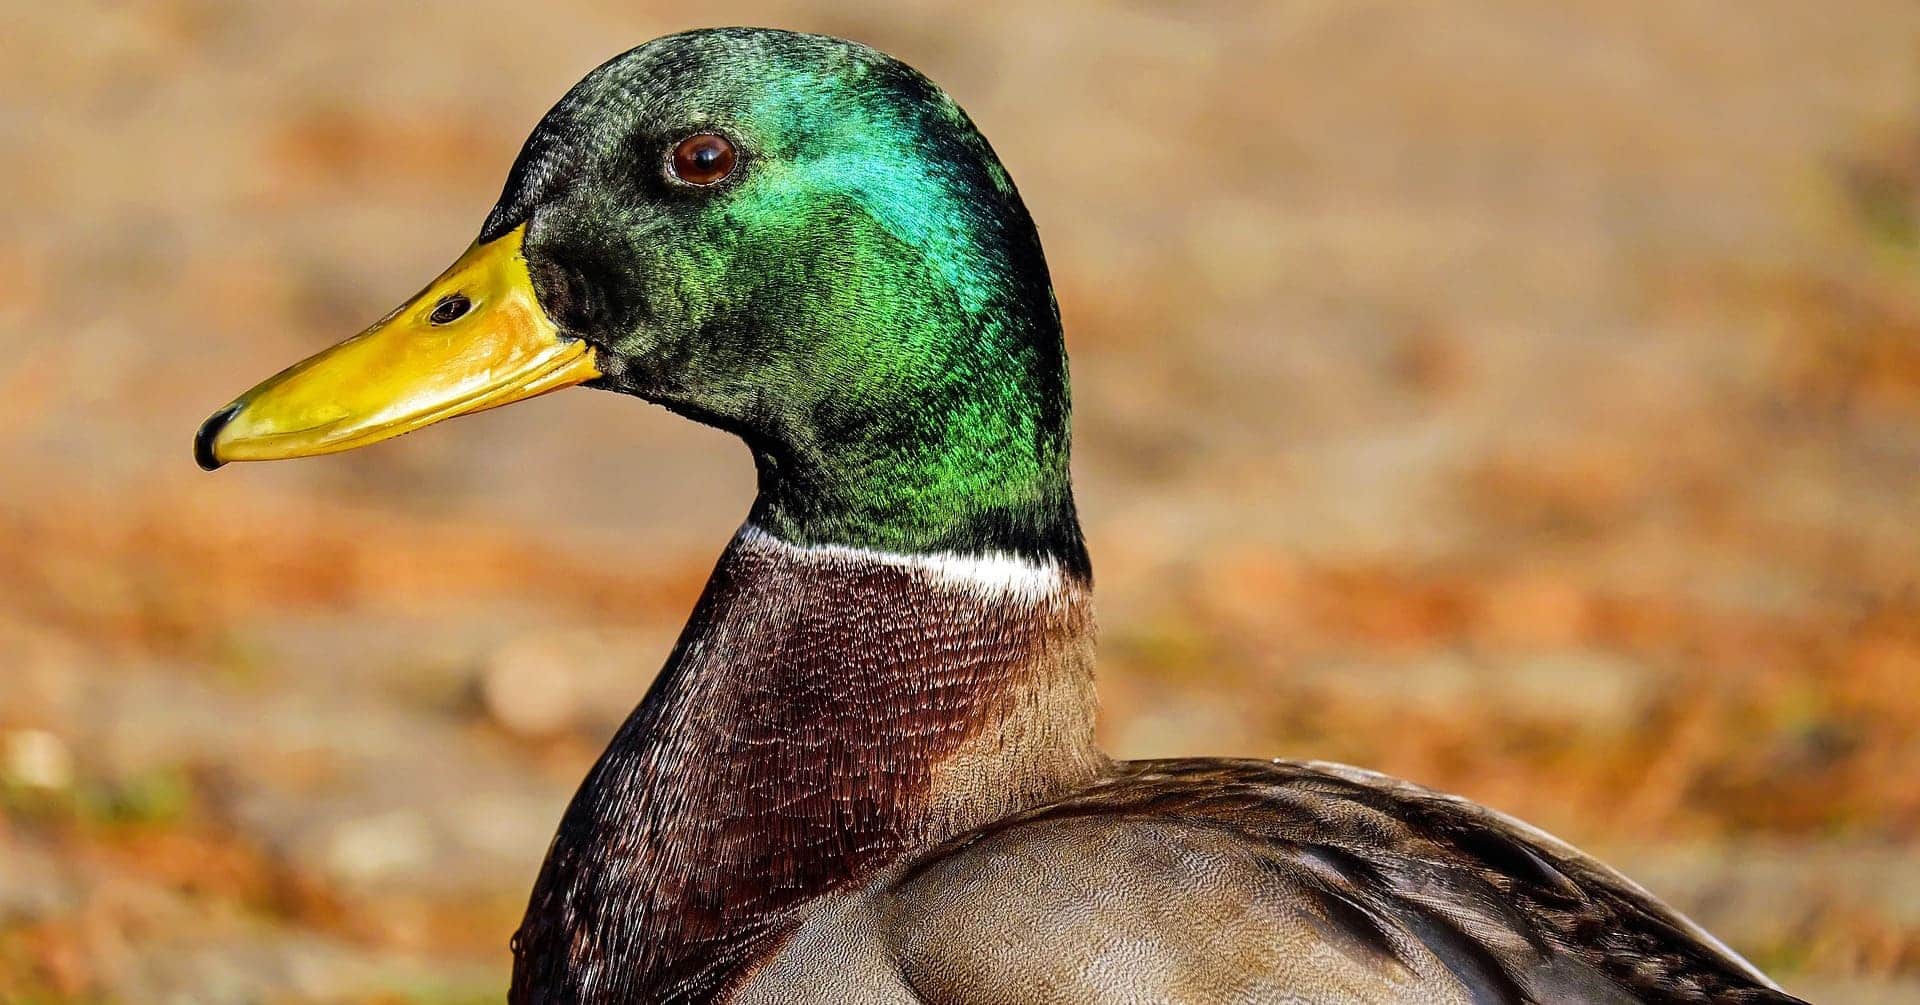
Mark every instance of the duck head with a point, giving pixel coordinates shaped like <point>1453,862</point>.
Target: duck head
<point>794,238</point>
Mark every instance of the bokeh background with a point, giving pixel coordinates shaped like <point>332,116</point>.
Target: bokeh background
<point>1520,398</point>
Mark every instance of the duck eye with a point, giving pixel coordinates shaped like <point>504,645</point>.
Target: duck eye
<point>451,308</point>
<point>703,159</point>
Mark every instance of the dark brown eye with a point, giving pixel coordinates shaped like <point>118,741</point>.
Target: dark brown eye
<point>451,308</point>
<point>703,159</point>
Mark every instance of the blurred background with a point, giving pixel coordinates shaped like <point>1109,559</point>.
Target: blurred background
<point>1520,398</point>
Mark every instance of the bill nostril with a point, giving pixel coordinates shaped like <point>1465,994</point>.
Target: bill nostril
<point>203,440</point>
<point>451,308</point>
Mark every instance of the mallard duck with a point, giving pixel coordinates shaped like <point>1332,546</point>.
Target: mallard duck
<point>867,772</point>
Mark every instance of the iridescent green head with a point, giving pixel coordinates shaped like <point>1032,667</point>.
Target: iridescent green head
<point>791,237</point>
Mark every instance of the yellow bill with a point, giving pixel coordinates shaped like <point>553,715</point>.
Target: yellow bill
<point>475,338</point>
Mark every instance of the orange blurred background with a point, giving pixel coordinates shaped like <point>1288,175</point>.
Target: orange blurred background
<point>1522,399</point>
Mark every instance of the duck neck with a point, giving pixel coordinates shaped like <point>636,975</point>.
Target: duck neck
<point>937,475</point>
<point>827,710</point>
<point>926,427</point>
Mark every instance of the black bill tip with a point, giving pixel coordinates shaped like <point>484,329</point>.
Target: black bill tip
<point>203,440</point>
